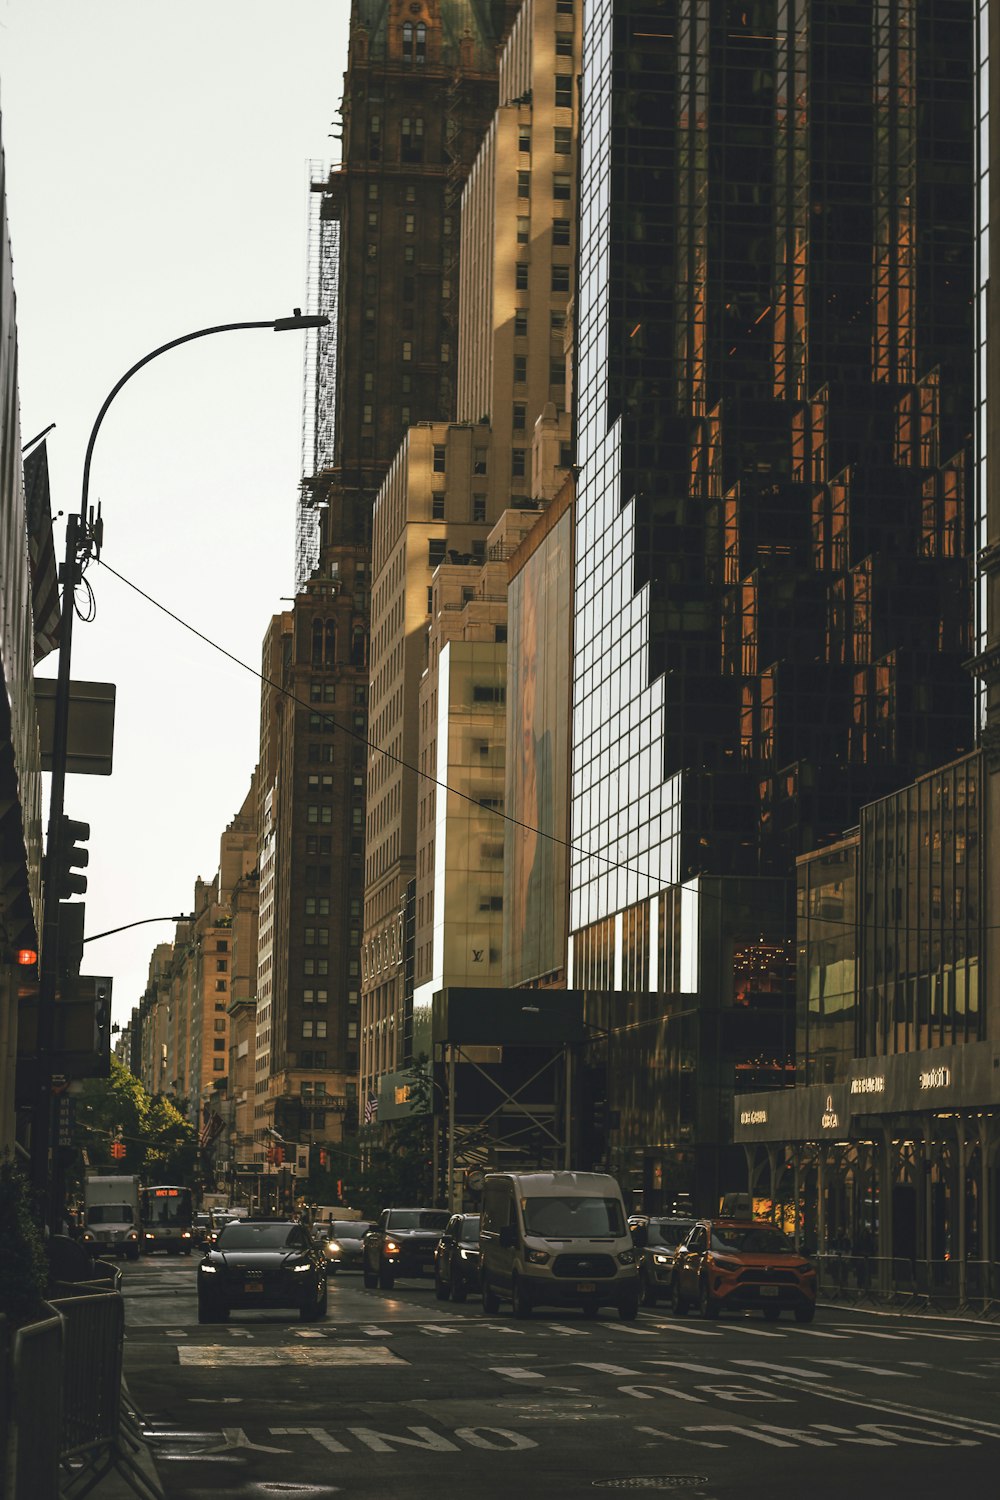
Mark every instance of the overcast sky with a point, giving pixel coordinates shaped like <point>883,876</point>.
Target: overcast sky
<point>157,161</point>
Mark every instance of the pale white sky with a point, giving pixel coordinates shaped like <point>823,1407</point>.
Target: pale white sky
<point>156,161</point>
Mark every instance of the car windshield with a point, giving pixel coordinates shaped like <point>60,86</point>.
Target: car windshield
<point>668,1233</point>
<point>573,1218</point>
<point>469,1233</point>
<point>349,1230</point>
<point>753,1240</point>
<point>417,1218</point>
<point>109,1213</point>
<point>237,1236</point>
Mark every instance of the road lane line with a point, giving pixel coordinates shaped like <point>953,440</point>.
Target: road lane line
<point>855,1364</point>
<point>763,1364</point>
<point>516,1372</point>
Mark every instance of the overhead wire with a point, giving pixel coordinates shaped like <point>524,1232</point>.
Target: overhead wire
<point>363,739</point>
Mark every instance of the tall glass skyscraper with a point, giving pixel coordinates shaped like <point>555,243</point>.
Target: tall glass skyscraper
<point>773,541</point>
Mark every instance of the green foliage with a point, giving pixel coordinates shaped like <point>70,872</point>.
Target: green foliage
<point>159,1142</point>
<point>23,1267</point>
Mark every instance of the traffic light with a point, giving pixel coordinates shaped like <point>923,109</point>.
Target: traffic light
<point>118,1150</point>
<point>66,858</point>
<point>323,1158</point>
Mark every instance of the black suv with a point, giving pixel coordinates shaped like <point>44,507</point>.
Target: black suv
<point>402,1243</point>
<point>656,1241</point>
<point>262,1263</point>
<point>456,1259</point>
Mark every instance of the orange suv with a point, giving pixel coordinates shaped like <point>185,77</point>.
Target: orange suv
<point>730,1264</point>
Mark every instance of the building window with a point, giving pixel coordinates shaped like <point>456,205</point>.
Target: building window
<point>374,138</point>
<point>369,381</point>
<point>524,138</point>
<point>307,1028</point>
<point>412,139</point>
<point>320,1029</point>
<point>557,323</point>
<point>523,229</point>
<point>520,416</point>
<point>218,1065</point>
<point>564,44</point>
<point>435,551</point>
<point>561,183</point>
<point>520,369</point>
<point>437,506</point>
<point>219,1044</point>
<point>521,323</point>
<point>557,372</point>
<point>409,255</point>
<point>373,192</point>
<point>562,140</point>
<point>221,965</point>
<point>560,231</point>
<point>521,276</point>
<point>517,463</point>
<point>479,507</point>
<point>479,461</point>
<point>430,600</point>
<point>220,1025</point>
<point>366,415</point>
<point>440,456</point>
<point>564,7</point>
<point>220,984</point>
<point>445,353</point>
<point>564,94</point>
<point>524,184</point>
<point>407,351</point>
<point>560,278</point>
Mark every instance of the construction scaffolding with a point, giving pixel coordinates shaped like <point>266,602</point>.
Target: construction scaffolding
<point>319,374</point>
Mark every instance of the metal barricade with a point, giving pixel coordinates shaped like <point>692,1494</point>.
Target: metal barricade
<point>842,1278</point>
<point>91,1437</point>
<point>32,1459</point>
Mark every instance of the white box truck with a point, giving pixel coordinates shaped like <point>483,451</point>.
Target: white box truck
<point>111,1221</point>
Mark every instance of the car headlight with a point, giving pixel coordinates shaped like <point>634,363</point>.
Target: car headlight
<point>185,1234</point>
<point>207,1269</point>
<point>150,1236</point>
<point>474,1254</point>
<point>333,1246</point>
<point>132,1235</point>
<point>537,1257</point>
<point>626,1257</point>
<point>722,1264</point>
<point>306,1266</point>
<point>391,1248</point>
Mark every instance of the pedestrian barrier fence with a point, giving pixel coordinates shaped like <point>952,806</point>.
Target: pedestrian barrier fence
<point>94,1437</point>
<point>900,1281</point>
<point>35,1414</point>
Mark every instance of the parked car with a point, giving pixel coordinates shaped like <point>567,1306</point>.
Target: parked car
<point>656,1240</point>
<point>262,1263</point>
<point>343,1243</point>
<point>728,1264</point>
<point>402,1243</point>
<point>456,1259</point>
<point>556,1239</point>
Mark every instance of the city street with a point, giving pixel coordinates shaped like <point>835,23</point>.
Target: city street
<point>398,1393</point>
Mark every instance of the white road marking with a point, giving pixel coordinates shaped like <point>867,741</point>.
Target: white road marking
<point>763,1364</point>
<point>561,1328</point>
<point>308,1333</point>
<point>221,1355</point>
<point>319,1433</point>
<point>680,1364</point>
<point>701,1333</point>
<point>869,1333</point>
<point>813,1333</point>
<point>435,1328</point>
<point>373,1332</point>
<point>175,1333</point>
<point>239,1333</point>
<point>515,1372</point>
<point>672,1437</point>
<point>235,1437</point>
<point>604,1369</point>
<point>853,1364</point>
<point>757,1333</point>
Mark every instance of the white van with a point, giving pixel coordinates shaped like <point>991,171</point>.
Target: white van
<point>556,1239</point>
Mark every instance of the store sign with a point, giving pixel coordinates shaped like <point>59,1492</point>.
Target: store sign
<point>873,1084</point>
<point>753,1117</point>
<point>831,1119</point>
<point>936,1078</point>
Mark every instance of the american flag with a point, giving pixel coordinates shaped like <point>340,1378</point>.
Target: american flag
<point>371,1108</point>
<point>213,1124</point>
<point>41,552</point>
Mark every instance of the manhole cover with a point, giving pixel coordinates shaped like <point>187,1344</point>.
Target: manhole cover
<point>652,1482</point>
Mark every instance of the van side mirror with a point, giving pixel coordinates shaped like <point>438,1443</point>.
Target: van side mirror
<point>508,1237</point>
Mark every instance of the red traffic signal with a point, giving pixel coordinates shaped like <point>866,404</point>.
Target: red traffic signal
<point>118,1150</point>
<point>322,1158</point>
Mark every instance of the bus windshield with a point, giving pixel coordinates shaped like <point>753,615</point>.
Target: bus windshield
<point>166,1207</point>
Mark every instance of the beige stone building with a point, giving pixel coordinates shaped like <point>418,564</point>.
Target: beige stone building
<point>153,1012</point>
<point>450,483</point>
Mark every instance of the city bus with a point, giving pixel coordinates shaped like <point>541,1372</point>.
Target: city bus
<point>166,1215</point>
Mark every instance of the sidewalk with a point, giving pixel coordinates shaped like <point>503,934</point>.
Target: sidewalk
<point>118,1484</point>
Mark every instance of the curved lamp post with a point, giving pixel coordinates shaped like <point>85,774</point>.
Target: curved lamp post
<point>84,533</point>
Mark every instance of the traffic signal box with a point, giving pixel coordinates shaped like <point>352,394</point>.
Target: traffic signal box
<point>66,858</point>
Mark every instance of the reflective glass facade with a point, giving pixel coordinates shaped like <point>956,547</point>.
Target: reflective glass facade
<point>775,410</point>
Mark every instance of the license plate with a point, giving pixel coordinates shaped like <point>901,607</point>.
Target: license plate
<point>586,1286</point>
<point>769,1291</point>
<point>253,1286</point>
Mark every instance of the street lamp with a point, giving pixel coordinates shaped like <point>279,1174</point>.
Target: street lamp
<point>84,535</point>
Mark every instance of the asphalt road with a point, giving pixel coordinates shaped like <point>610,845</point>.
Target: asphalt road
<point>398,1394</point>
